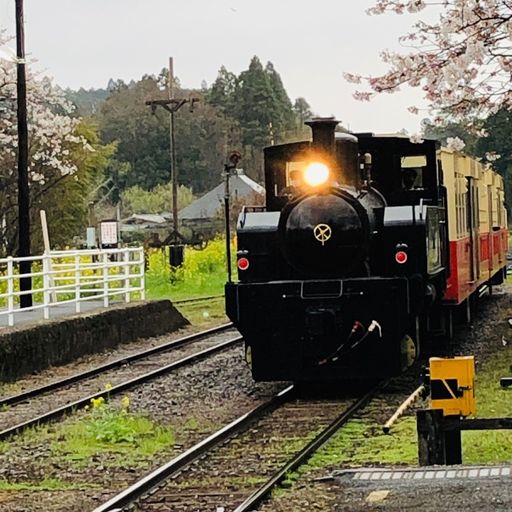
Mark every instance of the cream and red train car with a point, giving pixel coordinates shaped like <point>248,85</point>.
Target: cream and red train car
<point>477,227</point>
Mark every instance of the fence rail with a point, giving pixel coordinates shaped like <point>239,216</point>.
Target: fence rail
<point>73,277</point>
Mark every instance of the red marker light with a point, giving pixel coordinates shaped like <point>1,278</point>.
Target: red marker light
<point>401,257</point>
<point>243,263</point>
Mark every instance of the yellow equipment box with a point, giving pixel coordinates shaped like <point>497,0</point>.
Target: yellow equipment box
<point>452,385</point>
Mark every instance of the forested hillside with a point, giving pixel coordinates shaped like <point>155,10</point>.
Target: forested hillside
<point>246,112</point>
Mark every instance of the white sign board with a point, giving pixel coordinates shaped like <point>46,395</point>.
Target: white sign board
<point>91,238</point>
<point>108,232</point>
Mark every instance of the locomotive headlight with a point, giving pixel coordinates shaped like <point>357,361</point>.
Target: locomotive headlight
<point>316,174</point>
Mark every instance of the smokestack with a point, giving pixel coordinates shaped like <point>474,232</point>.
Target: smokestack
<point>323,135</point>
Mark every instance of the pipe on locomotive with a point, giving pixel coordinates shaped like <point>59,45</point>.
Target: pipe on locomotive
<point>323,129</point>
<point>339,151</point>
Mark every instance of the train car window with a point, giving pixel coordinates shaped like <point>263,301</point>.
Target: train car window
<point>413,167</point>
<point>278,170</point>
<point>460,205</point>
<point>434,256</point>
<point>294,171</point>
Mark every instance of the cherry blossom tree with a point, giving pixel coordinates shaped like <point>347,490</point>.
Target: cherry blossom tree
<point>463,62</point>
<point>57,147</point>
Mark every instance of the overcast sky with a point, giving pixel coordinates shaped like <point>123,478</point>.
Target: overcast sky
<point>83,43</point>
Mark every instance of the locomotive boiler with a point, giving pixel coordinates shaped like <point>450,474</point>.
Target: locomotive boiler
<point>345,269</point>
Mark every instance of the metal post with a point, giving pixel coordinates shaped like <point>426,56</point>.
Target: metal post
<point>229,169</point>
<point>77,284</point>
<point>142,263</point>
<point>453,444</point>
<point>105,279</point>
<point>23,187</point>
<point>126,261</point>
<point>227,220</point>
<point>10,291</point>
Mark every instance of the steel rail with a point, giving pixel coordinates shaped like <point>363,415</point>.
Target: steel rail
<point>155,478</point>
<point>82,402</point>
<point>303,455</point>
<point>31,393</point>
<point>197,299</point>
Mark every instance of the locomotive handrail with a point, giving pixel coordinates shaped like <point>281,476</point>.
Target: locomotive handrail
<point>73,277</point>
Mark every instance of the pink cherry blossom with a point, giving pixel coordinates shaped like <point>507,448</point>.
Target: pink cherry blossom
<point>51,129</point>
<point>455,144</point>
<point>416,138</point>
<point>462,62</point>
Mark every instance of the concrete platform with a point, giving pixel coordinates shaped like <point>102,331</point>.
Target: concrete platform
<point>447,488</point>
<point>34,344</point>
<point>22,316</point>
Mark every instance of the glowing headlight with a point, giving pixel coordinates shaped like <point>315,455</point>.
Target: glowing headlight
<point>316,174</point>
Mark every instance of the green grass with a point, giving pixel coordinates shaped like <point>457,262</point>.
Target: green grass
<point>158,287</point>
<point>9,388</point>
<point>111,431</point>
<point>104,430</point>
<point>192,424</point>
<point>491,401</point>
<point>205,313</point>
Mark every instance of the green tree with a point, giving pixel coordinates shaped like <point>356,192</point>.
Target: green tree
<point>303,112</point>
<point>157,200</point>
<point>498,128</point>
<point>142,138</point>
<point>87,102</point>
<point>284,120</point>
<point>66,201</point>
<point>222,91</point>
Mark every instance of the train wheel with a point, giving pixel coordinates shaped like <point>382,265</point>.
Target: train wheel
<point>408,352</point>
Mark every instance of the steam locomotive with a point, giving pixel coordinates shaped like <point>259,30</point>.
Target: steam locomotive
<point>367,246</point>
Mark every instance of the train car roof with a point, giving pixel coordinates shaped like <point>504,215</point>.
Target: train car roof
<point>394,135</point>
<point>398,138</point>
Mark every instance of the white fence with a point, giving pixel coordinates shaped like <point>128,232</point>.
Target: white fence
<point>73,277</point>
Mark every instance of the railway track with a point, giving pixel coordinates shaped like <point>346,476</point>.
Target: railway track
<point>197,299</point>
<point>237,467</point>
<point>50,402</point>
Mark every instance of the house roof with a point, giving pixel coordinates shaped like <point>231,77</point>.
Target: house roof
<point>145,218</point>
<point>208,205</point>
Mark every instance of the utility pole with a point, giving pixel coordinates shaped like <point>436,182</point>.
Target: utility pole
<point>23,188</point>
<point>174,170</point>
<point>172,105</point>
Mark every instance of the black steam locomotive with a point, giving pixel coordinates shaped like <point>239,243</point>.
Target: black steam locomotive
<point>345,266</point>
